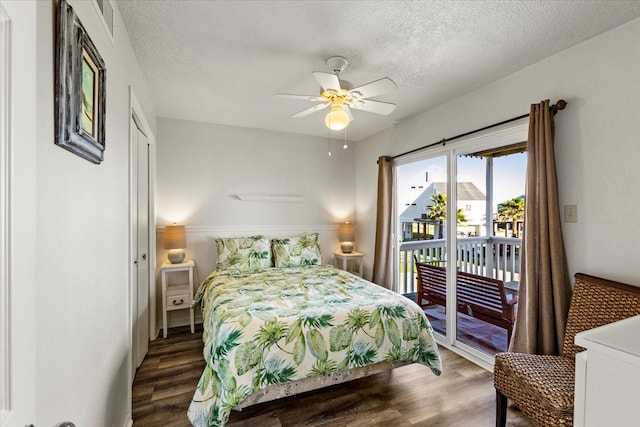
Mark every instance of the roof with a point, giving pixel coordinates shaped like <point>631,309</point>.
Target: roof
<point>467,191</point>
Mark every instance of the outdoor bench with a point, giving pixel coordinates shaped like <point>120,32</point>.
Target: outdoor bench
<point>481,297</point>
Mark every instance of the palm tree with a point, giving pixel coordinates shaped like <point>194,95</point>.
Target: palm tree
<point>438,211</point>
<point>511,211</point>
<point>461,217</point>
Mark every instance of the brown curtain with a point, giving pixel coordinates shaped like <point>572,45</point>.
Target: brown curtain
<point>383,258</point>
<point>544,281</point>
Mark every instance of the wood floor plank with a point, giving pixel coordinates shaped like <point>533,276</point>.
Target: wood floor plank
<point>409,396</point>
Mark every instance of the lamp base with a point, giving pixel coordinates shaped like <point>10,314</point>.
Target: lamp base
<point>346,247</point>
<point>176,256</point>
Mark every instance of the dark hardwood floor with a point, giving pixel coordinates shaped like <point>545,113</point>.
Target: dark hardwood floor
<point>408,396</point>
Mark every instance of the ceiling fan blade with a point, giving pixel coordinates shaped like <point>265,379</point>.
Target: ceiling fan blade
<point>304,97</point>
<point>328,81</point>
<point>374,88</point>
<point>310,110</point>
<point>372,106</point>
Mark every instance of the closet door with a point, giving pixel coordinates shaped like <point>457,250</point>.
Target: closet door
<point>140,294</point>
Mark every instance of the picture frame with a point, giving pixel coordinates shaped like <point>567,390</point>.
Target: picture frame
<point>80,97</point>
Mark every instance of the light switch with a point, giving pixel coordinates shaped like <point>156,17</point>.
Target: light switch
<point>570,213</point>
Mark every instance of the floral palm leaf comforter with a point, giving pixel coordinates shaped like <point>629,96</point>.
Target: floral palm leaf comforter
<point>264,327</point>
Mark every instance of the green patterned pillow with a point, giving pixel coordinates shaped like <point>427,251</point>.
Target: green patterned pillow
<point>243,253</point>
<point>296,251</point>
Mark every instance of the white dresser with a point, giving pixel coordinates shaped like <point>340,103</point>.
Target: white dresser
<point>608,376</point>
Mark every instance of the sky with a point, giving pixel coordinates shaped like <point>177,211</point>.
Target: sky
<point>508,177</point>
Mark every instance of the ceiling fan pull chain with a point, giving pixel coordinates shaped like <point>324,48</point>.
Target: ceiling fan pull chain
<point>329,151</point>
<point>345,146</point>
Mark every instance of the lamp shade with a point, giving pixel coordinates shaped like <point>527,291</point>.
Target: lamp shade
<point>175,237</point>
<point>346,235</point>
<point>347,232</point>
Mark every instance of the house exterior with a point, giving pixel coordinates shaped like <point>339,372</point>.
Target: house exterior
<point>66,305</point>
<point>471,200</point>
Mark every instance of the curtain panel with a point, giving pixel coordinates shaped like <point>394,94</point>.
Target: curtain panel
<point>545,288</point>
<point>383,258</point>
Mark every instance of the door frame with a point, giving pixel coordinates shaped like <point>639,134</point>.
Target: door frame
<point>18,141</point>
<point>135,109</point>
<point>5,224</point>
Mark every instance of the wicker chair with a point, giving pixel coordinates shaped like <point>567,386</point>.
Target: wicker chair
<point>543,386</point>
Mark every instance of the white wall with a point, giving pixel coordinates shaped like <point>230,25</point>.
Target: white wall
<point>79,215</point>
<point>597,148</point>
<point>202,167</point>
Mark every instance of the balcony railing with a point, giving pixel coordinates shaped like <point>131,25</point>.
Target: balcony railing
<point>497,257</point>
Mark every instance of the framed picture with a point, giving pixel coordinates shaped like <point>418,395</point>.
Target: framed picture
<point>80,89</point>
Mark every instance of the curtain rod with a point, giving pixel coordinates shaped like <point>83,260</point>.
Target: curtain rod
<point>560,105</point>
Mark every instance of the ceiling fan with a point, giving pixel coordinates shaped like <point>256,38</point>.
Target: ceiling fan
<point>340,96</point>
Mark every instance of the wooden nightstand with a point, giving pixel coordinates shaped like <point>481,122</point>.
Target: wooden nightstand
<point>355,257</point>
<point>177,297</point>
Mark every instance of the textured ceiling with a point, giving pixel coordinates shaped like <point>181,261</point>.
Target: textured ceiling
<point>222,61</point>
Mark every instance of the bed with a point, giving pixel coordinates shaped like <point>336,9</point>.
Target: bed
<point>271,332</point>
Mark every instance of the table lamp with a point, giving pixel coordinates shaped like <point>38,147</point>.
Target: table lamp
<point>346,235</point>
<point>175,239</point>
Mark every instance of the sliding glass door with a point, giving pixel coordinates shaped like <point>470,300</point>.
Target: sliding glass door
<point>491,186</point>
<point>460,216</point>
<point>421,205</point>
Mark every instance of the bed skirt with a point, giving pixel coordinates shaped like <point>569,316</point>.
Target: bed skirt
<point>278,391</point>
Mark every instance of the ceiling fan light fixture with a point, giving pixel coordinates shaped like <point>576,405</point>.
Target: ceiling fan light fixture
<point>337,118</point>
<point>341,97</point>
